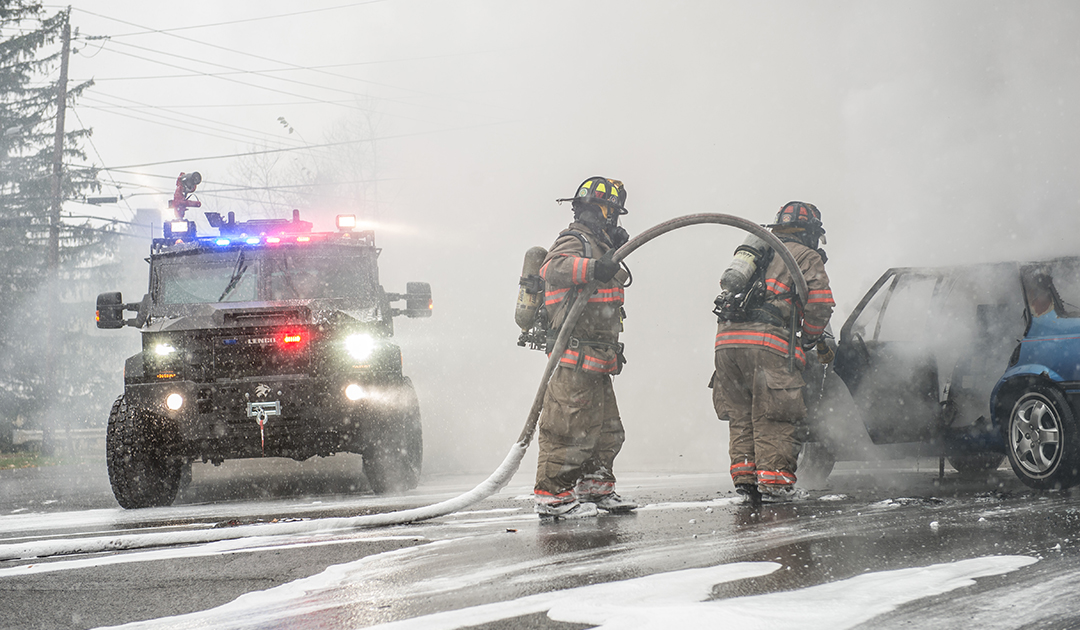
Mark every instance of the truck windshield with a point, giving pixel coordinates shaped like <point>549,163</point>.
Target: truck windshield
<point>264,275</point>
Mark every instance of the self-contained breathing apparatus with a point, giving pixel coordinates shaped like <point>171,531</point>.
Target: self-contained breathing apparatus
<point>743,295</point>
<point>742,285</point>
<point>531,314</point>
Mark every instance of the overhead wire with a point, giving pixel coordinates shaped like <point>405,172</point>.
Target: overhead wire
<point>310,146</point>
<point>231,22</point>
<point>238,82</point>
<point>240,132</point>
<point>232,131</point>
<point>230,187</point>
<point>264,58</point>
<point>90,139</point>
<point>250,54</point>
<point>294,69</point>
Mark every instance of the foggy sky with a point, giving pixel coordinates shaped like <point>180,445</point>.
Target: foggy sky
<point>926,132</point>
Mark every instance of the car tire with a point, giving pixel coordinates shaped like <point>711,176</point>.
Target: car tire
<point>1042,440</point>
<point>975,464</point>
<point>142,472</point>
<point>393,458</point>
<point>815,464</point>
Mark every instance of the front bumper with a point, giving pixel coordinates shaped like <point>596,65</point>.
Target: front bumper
<point>294,416</point>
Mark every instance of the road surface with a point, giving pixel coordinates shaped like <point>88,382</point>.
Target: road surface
<point>886,546</point>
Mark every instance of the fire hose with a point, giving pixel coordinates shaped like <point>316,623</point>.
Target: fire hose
<point>494,483</point>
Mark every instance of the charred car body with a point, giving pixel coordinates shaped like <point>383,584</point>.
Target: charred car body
<point>265,340</point>
<point>971,363</point>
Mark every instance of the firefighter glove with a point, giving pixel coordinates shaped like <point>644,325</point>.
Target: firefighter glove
<point>604,269</point>
<point>825,354</point>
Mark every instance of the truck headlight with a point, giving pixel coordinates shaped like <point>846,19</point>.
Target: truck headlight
<point>360,347</point>
<point>174,401</point>
<point>354,392</point>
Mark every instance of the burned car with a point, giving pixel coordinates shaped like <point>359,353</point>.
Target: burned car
<point>956,362</point>
<point>1035,402</point>
<point>265,340</point>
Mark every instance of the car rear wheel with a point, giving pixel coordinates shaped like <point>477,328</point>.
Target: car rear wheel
<point>142,472</point>
<point>1043,441</point>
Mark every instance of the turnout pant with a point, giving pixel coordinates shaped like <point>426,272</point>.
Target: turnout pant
<point>762,399</point>
<point>579,436</point>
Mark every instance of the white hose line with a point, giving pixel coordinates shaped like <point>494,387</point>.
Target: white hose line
<point>120,542</point>
<point>485,489</point>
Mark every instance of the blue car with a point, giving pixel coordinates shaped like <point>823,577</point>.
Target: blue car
<point>1035,402</point>
<point>970,363</point>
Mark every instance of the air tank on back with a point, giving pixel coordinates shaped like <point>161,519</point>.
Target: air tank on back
<point>742,267</point>
<point>530,288</point>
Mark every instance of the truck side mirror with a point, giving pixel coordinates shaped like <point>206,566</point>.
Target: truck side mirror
<point>418,299</point>
<point>110,310</point>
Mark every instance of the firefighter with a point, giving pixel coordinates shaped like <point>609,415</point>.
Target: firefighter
<point>580,431</point>
<point>757,387</point>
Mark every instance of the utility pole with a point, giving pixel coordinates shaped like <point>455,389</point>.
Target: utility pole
<point>48,441</point>
<point>58,153</point>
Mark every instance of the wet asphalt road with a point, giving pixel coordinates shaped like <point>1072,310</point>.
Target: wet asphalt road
<point>866,519</point>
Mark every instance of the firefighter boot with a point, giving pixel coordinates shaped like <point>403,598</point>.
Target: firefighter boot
<point>749,492</point>
<point>610,502</point>
<point>568,510</point>
<point>594,489</point>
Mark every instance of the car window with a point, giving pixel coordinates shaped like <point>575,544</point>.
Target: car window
<point>1052,287</point>
<point>905,309</point>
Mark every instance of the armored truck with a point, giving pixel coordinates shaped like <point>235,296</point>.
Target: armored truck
<point>267,339</point>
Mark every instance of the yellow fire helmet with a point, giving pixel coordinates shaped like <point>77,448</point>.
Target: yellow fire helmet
<point>609,192</point>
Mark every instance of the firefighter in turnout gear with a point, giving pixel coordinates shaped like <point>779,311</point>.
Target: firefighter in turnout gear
<point>580,431</point>
<point>758,384</point>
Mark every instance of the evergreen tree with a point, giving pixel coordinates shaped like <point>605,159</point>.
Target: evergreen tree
<point>45,341</point>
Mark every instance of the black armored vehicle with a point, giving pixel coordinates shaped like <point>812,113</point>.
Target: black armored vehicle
<point>265,340</point>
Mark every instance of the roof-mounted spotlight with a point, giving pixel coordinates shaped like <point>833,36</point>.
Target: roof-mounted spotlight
<point>182,229</point>
<point>346,222</point>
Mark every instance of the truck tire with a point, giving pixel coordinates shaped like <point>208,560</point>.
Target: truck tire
<point>393,458</point>
<point>141,471</point>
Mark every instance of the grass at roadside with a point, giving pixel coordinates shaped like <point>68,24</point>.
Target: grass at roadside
<point>10,461</point>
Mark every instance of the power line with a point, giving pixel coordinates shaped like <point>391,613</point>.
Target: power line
<point>235,129</point>
<point>252,19</point>
<point>93,146</point>
<point>294,69</point>
<point>310,146</point>
<point>293,66</point>
<point>186,127</point>
<point>262,87</point>
<point>253,55</point>
<point>230,187</point>
<point>261,73</point>
<point>203,105</point>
